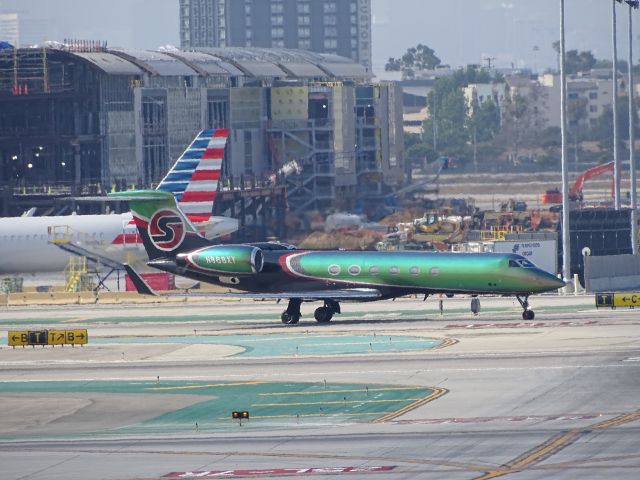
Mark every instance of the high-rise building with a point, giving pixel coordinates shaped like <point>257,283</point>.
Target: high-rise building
<point>10,28</point>
<point>342,27</point>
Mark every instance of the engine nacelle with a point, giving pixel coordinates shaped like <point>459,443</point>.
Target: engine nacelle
<point>228,260</point>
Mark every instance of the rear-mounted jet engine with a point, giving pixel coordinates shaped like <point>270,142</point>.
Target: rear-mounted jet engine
<point>236,260</point>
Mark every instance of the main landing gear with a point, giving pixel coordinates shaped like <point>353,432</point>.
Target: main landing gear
<point>291,315</point>
<point>524,302</point>
<point>324,314</point>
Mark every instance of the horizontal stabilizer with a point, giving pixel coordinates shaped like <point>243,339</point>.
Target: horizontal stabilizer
<point>142,287</point>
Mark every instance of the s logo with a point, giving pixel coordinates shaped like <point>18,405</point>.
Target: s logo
<point>166,230</point>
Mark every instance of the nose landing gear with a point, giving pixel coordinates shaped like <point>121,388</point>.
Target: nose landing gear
<point>524,302</point>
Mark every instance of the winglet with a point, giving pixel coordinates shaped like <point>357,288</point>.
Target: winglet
<point>142,287</point>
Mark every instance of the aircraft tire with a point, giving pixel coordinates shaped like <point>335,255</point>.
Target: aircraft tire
<point>323,314</point>
<point>289,319</point>
<point>528,315</point>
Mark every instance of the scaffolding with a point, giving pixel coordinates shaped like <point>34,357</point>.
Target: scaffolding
<point>310,144</point>
<point>77,276</point>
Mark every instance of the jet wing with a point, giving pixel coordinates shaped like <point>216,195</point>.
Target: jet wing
<point>342,294</point>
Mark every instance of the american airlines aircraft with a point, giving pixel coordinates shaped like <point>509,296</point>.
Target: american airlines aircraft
<point>28,244</point>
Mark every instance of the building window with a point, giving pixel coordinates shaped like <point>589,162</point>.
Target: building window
<point>330,31</point>
<point>593,95</point>
<point>304,44</point>
<point>304,32</point>
<point>277,8</point>
<point>330,43</point>
<point>303,8</point>
<point>277,43</point>
<point>277,20</point>
<point>353,8</point>
<point>330,20</point>
<point>304,20</point>
<point>593,108</point>
<point>277,32</point>
<point>330,7</point>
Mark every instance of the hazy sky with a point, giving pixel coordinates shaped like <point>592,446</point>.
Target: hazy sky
<point>460,31</point>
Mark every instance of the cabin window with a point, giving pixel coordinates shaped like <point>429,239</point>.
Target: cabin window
<point>526,263</point>
<point>354,270</point>
<point>434,271</point>
<point>521,262</point>
<point>414,270</point>
<point>394,270</point>
<point>334,269</point>
<point>374,270</point>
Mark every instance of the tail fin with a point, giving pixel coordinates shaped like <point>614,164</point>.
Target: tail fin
<point>193,179</point>
<point>164,228</point>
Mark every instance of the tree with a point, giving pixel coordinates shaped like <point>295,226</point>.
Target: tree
<point>420,57</point>
<point>576,117</point>
<point>579,61</point>
<point>522,122</point>
<point>486,119</point>
<point>556,48</point>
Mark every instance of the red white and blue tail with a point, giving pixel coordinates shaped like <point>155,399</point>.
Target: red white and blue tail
<point>194,177</point>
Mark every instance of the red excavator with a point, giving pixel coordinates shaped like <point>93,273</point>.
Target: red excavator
<point>575,193</point>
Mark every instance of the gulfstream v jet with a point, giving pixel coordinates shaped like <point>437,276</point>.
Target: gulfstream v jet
<point>28,244</point>
<point>271,270</point>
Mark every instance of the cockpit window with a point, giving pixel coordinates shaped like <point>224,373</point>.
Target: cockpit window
<point>521,262</point>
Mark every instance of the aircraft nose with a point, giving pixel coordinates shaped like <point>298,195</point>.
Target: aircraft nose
<point>549,281</point>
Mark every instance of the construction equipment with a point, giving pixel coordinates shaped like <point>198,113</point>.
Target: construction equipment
<point>575,193</point>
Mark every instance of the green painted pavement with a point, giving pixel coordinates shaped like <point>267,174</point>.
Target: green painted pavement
<point>270,404</point>
<point>274,345</point>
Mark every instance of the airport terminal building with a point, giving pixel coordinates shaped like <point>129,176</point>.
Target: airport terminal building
<point>81,114</point>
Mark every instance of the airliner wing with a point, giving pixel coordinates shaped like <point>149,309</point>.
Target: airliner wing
<point>343,294</point>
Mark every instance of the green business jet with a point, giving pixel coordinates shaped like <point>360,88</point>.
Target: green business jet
<point>280,271</point>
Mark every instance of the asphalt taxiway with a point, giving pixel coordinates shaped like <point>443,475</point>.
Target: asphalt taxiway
<point>387,390</point>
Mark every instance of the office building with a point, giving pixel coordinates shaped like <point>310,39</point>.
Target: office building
<point>341,27</point>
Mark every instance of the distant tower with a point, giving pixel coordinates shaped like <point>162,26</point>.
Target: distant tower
<point>342,27</point>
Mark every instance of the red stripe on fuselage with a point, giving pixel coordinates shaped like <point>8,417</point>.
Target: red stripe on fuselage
<point>140,222</point>
<point>127,239</point>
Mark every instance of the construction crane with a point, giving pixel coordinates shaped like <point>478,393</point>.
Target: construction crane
<point>575,193</point>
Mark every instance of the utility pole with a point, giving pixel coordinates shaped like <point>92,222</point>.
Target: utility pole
<point>616,159</point>
<point>633,4</point>
<point>566,238</point>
